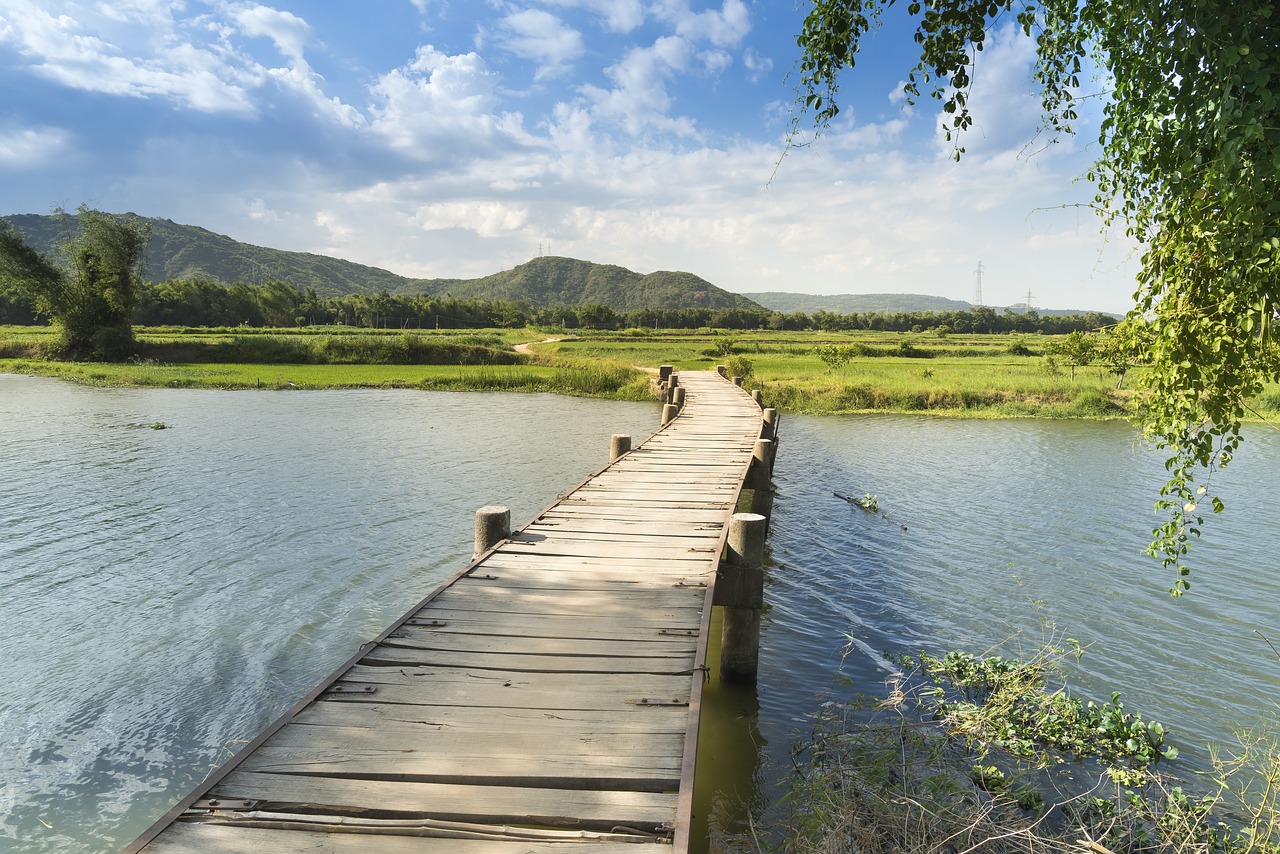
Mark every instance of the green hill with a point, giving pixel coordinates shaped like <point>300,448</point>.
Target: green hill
<point>789,303</point>
<point>190,252</point>
<point>556,281</point>
<point>187,252</point>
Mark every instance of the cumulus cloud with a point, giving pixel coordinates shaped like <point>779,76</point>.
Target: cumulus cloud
<point>639,100</point>
<point>289,32</point>
<point>723,27</point>
<point>443,108</point>
<point>90,53</point>
<point>31,147</point>
<point>542,38</point>
<point>619,16</point>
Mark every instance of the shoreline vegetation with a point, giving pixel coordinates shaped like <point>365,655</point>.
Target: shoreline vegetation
<point>808,372</point>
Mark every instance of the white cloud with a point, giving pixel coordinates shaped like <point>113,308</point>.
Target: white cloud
<point>485,218</point>
<point>155,62</point>
<point>443,108</point>
<point>639,99</point>
<point>542,38</point>
<point>619,16</point>
<point>31,147</point>
<point>723,27</point>
<point>286,30</point>
<point>756,64</point>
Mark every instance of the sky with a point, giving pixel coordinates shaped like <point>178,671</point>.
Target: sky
<point>457,138</point>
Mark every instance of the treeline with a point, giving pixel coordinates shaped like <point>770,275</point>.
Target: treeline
<point>204,302</point>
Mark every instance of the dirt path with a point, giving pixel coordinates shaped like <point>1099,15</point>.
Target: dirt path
<point>527,347</point>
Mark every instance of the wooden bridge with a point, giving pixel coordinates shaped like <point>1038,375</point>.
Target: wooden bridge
<point>547,696</point>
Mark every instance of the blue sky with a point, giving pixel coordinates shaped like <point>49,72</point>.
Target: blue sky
<point>441,138</point>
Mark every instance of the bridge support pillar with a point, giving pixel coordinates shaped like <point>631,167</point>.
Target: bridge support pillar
<point>740,588</point>
<point>619,444</point>
<point>677,397</point>
<point>760,481</point>
<point>493,525</point>
<point>669,411</point>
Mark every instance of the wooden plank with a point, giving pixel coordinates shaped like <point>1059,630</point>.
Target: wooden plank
<point>646,627</point>
<point>187,838</point>
<point>586,808</point>
<point>443,686</point>
<point>440,639</point>
<point>647,762</point>
<point>529,662</point>
<point>573,548</point>
<point>586,603</point>
<point>391,717</point>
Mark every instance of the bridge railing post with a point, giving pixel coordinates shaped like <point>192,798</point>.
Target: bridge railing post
<point>493,525</point>
<point>669,411</point>
<point>619,444</point>
<point>760,479</point>
<point>740,589</point>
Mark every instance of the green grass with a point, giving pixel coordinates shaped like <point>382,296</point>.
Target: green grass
<point>969,375</point>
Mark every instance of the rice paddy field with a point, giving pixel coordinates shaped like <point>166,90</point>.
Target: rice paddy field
<point>811,372</point>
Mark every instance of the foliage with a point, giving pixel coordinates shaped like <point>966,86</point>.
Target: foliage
<point>1189,162</point>
<point>92,301</point>
<point>833,355</point>
<point>738,366</point>
<point>952,761</point>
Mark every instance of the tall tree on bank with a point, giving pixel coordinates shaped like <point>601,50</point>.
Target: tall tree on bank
<point>1189,163</point>
<point>91,300</point>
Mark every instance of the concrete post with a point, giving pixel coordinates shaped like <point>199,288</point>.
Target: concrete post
<point>669,411</point>
<point>493,525</point>
<point>722,370</point>
<point>743,574</point>
<point>664,371</point>
<point>757,397</point>
<point>768,431</point>
<point>737,381</point>
<point>619,444</point>
<point>678,397</point>
<point>759,479</point>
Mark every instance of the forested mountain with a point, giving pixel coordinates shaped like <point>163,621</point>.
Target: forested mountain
<point>855,303</point>
<point>190,252</point>
<point>554,281</point>
<point>877,304</point>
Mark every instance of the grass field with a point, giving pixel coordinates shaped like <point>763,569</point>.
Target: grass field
<point>971,376</point>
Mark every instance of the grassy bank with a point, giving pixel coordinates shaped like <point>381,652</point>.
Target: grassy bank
<point>817,373</point>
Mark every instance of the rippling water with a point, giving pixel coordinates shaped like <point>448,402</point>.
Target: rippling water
<point>166,593</point>
<point>985,518</point>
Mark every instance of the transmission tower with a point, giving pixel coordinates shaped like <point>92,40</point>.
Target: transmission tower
<point>977,285</point>
<point>1028,299</point>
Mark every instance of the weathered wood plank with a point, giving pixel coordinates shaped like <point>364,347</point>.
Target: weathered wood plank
<point>444,686</point>
<point>392,717</point>
<point>528,662</point>
<point>586,808</point>
<point>649,761</point>
<point>644,627</point>
<point>441,639</point>
<point>187,838</point>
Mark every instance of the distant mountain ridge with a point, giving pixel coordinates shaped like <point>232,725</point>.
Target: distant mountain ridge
<point>789,303</point>
<point>186,251</point>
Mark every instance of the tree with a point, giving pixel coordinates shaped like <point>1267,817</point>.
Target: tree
<point>1189,162</point>
<point>91,301</point>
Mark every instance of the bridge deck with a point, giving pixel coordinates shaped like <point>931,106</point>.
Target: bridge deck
<point>548,695</point>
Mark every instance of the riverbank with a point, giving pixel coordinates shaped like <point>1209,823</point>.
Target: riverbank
<point>818,373</point>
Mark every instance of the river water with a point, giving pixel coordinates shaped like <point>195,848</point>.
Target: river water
<point>166,593</point>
